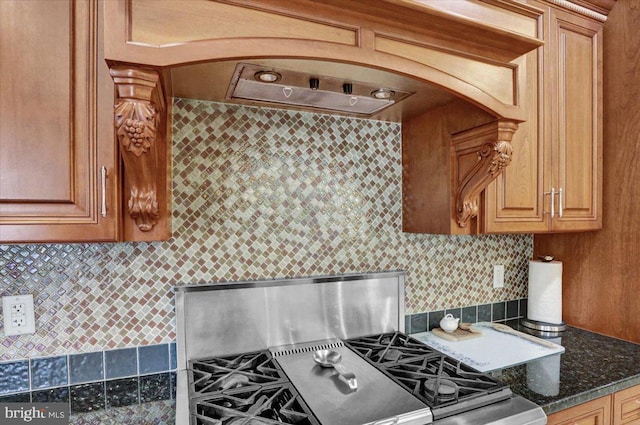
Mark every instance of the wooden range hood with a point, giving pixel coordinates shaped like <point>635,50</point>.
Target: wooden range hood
<point>162,48</point>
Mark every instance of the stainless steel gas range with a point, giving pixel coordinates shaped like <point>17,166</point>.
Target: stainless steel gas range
<point>246,357</point>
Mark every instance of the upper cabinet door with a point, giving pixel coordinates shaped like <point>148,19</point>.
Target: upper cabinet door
<point>554,182</point>
<point>576,120</point>
<point>515,201</point>
<point>57,151</point>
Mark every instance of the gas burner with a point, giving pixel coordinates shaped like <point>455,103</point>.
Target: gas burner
<point>259,405</point>
<point>446,385</point>
<point>443,389</point>
<point>228,372</point>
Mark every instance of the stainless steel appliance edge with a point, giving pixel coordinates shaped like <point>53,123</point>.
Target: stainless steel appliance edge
<point>234,317</point>
<point>232,322</point>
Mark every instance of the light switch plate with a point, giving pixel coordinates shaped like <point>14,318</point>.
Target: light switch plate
<point>18,313</point>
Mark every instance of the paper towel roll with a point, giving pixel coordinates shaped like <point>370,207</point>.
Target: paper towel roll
<point>545,292</point>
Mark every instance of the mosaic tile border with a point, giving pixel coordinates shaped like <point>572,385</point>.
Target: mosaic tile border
<point>93,381</point>
<point>491,312</point>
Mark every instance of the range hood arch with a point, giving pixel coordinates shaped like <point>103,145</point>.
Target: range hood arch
<point>412,41</point>
<point>482,68</point>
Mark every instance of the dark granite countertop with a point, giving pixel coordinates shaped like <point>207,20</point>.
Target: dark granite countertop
<point>592,366</point>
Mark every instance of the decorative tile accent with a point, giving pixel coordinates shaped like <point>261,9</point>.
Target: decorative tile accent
<point>16,398</point>
<point>415,323</point>
<point>470,314</point>
<point>173,376</point>
<point>91,396</point>
<point>155,387</point>
<point>498,311</point>
<point>54,395</point>
<point>257,193</point>
<point>512,308</point>
<point>484,313</point>
<point>87,367</point>
<point>153,358</point>
<point>455,312</point>
<point>523,307</point>
<point>120,363</point>
<point>122,392</point>
<point>49,372</point>
<point>14,377</point>
<point>434,319</point>
<point>419,322</point>
<point>87,397</point>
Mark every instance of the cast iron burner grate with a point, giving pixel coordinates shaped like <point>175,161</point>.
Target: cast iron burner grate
<point>234,371</point>
<point>258,405</point>
<point>390,348</point>
<point>446,385</point>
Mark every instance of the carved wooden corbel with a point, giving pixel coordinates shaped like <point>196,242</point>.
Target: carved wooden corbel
<point>137,118</point>
<point>492,144</point>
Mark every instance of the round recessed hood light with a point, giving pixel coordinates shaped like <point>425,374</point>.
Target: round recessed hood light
<point>267,76</point>
<point>383,94</point>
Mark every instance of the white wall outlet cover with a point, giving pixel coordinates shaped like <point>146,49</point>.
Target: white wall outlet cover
<point>498,276</point>
<point>18,314</point>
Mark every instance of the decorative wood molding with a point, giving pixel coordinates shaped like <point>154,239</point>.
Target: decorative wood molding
<point>137,110</point>
<point>590,12</point>
<point>492,145</point>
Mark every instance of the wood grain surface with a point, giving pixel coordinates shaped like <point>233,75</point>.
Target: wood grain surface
<point>601,277</point>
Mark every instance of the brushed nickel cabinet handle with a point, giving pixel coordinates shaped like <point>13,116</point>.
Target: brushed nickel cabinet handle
<point>560,202</point>
<point>553,196</point>
<point>103,172</point>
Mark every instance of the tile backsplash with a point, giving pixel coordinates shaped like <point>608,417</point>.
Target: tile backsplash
<point>257,194</point>
<point>93,381</point>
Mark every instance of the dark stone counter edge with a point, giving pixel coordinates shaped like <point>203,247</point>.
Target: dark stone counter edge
<point>584,397</point>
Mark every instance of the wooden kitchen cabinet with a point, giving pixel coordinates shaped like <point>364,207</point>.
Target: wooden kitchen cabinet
<point>554,183</point>
<point>58,163</point>
<point>620,408</point>
<point>626,406</point>
<point>514,202</point>
<point>575,116</point>
<point>558,148</point>
<point>60,174</point>
<point>594,412</point>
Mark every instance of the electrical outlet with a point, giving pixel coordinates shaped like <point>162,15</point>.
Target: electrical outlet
<point>498,276</point>
<point>19,317</point>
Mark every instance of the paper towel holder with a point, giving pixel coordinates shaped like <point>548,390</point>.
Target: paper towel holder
<point>546,258</point>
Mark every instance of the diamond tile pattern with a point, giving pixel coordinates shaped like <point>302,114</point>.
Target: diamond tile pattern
<point>257,193</point>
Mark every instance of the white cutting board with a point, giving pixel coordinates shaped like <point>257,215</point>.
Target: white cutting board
<point>492,351</point>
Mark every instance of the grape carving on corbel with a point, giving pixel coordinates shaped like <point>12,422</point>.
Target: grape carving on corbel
<point>136,130</point>
<point>136,122</point>
<point>494,155</point>
<point>135,126</point>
